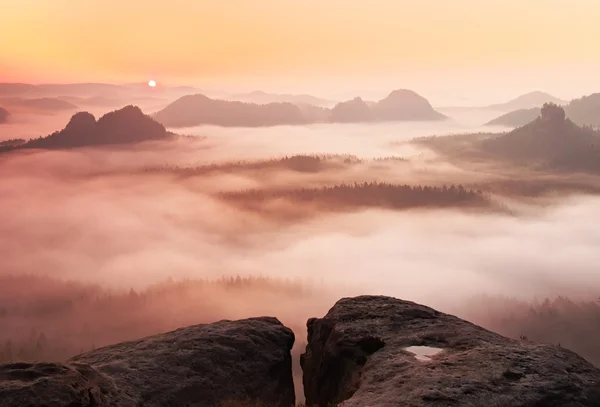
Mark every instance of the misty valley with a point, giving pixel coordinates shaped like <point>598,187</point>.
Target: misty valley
<point>115,226</point>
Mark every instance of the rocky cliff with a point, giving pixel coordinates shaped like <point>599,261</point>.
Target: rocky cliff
<point>370,351</point>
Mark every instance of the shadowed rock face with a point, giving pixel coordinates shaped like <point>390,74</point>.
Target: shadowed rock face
<point>202,365</point>
<point>357,354</point>
<point>58,385</point>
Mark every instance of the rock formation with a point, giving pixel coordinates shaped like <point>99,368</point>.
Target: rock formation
<point>360,354</point>
<point>202,365</point>
<point>584,111</point>
<point>405,105</point>
<point>58,385</point>
<point>126,125</point>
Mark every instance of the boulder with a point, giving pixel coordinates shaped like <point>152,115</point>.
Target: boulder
<point>362,353</point>
<point>58,385</point>
<point>204,365</point>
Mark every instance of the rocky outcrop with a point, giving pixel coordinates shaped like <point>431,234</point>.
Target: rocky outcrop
<point>360,354</point>
<point>202,365</point>
<point>58,385</point>
<point>126,125</point>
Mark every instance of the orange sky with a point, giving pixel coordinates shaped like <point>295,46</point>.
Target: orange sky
<point>208,41</point>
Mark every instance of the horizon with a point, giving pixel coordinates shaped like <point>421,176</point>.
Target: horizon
<point>502,50</point>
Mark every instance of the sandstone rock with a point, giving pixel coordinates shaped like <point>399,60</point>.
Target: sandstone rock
<point>58,385</point>
<point>126,125</point>
<point>204,365</point>
<point>357,355</point>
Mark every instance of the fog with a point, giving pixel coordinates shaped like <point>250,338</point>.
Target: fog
<point>79,228</point>
<point>87,214</point>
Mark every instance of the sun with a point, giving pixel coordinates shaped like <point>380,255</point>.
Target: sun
<point>152,83</point>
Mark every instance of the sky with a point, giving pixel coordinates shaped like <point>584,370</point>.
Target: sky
<point>326,45</point>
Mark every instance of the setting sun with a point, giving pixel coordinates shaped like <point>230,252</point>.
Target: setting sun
<point>152,83</point>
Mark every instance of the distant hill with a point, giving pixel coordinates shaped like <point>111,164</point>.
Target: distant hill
<point>40,104</point>
<point>355,110</point>
<point>266,98</point>
<point>527,101</point>
<point>584,111</point>
<point>194,110</point>
<point>550,142</point>
<point>127,125</point>
<point>400,105</point>
<point>405,105</point>
<point>517,118</point>
<point>4,115</point>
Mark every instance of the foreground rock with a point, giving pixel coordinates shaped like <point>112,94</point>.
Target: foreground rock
<point>358,354</point>
<point>202,365</point>
<point>58,385</point>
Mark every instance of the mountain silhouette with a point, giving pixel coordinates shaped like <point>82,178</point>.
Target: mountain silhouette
<point>194,110</point>
<point>584,111</point>
<point>127,125</point>
<point>550,142</point>
<point>405,105</point>
<point>528,101</point>
<point>516,118</point>
<point>355,110</point>
<point>4,115</point>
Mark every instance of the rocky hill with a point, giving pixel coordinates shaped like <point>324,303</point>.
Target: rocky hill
<point>194,110</point>
<point>381,351</point>
<point>584,112</point>
<point>516,118</point>
<point>355,110</point>
<point>127,125</point>
<point>405,105</point>
<point>551,142</point>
